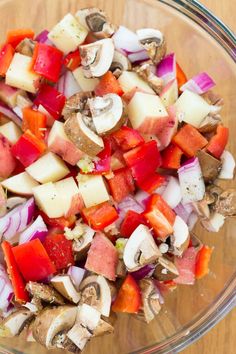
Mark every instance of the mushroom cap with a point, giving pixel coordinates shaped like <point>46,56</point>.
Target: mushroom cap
<point>12,325</point>
<point>226,203</point>
<point>154,42</point>
<point>150,298</point>
<point>77,103</point>
<point>64,285</point>
<point>45,293</point>
<point>165,269</point>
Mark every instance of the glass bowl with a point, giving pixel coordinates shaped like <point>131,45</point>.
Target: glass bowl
<point>201,43</point>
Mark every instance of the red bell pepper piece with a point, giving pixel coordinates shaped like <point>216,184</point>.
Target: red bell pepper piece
<point>58,223</point>
<point>143,160</point>
<point>131,221</point>
<point>72,60</point>
<point>160,216</point>
<point>28,148</point>
<point>34,121</point>
<point>99,216</point>
<point>47,61</point>
<point>129,297</point>
<point>218,142</point>
<point>108,84</point>
<point>152,182</point>
<point>117,160</point>
<point>59,250</point>
<point>15,36</point>
<point>202,262</point>
<point>180,75</point>
<point>6,56</point>
<point>127,138</point>
<point>104,164</point>
<point>171,157</point>
<point>17,281</point>
<point>121,184</point>
<point>33,261</point>
<point>51,99</point>
<point>189,140</point>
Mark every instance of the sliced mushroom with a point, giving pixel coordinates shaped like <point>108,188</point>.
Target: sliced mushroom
<point>150,298</point>
<point>210,166</point>
<point>61,341</point>
<point>119,64</point>
<point>12,325</point>
<point>52,321</point>
<point>121,269</point>
<point>209,124</point>
<point>156,83</point>
<point>154,42</point>
<point>26,47</point>
<point>214,223</point>
<point>107,113</point>
<point>64,285</point>
<point>96,58</point>
<point>95,291</point>
<point>77,103</point>
<point>213,98</point>
<point>82,136</point>
<point>45,293</point>
<point>226,203</point>
<point>95,20</point>
<point>87,320</point>
<point>202,208</point>
<point>140,249</point>
<point>82,244</point>
<point>212,194</point>
<point>102,328</point>
<point>12,202</point>
<point>165,269</point>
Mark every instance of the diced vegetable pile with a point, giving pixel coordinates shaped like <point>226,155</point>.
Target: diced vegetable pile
<point>108,157</point>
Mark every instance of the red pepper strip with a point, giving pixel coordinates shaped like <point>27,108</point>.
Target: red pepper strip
<point>152,183</point>
<point>72,60</point>
<point>15,36</point>
<point>104,164</point>
<point>59,250</point>
<point>34,121</point>
<point>171,157</point>
<point>33,261</point>
<point>51,99</point>
<point>6,56</point>
<point>121,184</point>
<point>47,61</point>
<point>108,84</point>
<point>202,262</point>
<point>17,281</point>
<point>59,223</point>
<point>129,297</point>
<point>28,148</point>
<point>131,221</point>
<point>143,160</point>
<point>218,142</point>
<point>127,138</point>
<point>160,216</point>
<point>189,140</point>
<point>99,216</point>
<point>181,77</point>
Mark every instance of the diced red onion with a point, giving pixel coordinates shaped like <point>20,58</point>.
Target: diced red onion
<point>166,69</point>
<point>76,274</point>
<point>142,198</point>
<point>128,203</point>
<point>191,181</point>
<point>37,229</point>
<point>42,37</point>
<point>182,211</point>
<point>126,41</point>
<point>8,112</point>
<point>193,218</point>
<point>6,290</point>
<point>199,84</point>
<point>67,84</point>
<point>144,272</point>
<point>139,56</point>
<point>172,193</point>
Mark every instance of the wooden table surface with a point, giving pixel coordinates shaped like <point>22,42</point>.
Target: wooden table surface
<point>221,339</point>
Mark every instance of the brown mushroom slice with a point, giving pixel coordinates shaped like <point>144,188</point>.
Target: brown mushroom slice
<point>82,244</point>
<point>12,325</point>
<point>87,320</point>
<point>26,47</point>
<point>119,64</point>
<point>156,83</point>
<point>107,113</point>
<point>77,103</point>
<point>140,249</point>
<point>212,193</point>
<point>64,285</point>
<point>165,270</point>
<point>45,293</point>
<point>209,124</point>
<point>95,20</point>
<point>96,58</point>
<point>210,166</point>
<point>150,299</point>
<point>226,203</point>
<point>82,136</point>
<point>202,208</point>
<point>61,341</point>
<point>102,328</point>
<point>52,321</point>
<point>154,42</point>
<point>95,291</point>
<point>121,269</point>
